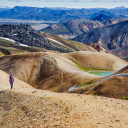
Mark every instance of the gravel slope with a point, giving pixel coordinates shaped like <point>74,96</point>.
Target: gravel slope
<point>39,108</point>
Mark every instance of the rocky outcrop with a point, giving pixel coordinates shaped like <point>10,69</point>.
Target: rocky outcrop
<point>25,34</point>
<point>72,28</point>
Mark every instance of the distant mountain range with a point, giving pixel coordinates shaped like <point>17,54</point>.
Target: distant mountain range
<point>72,28</point>
<point>60,14</point>
<point>47,14</point>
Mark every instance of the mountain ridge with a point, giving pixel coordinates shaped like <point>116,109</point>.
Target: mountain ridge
<point>113,37</point>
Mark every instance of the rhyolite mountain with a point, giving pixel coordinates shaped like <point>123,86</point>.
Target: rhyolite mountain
<point>60,14</point>
<point>113,21</point>
<point>72,28</point>
<point>114,37</point>
<point>25,34</point>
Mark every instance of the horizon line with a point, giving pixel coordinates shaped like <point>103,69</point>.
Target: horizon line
<point>65,7</point>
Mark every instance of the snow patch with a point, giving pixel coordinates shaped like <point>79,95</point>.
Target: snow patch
<point>23,45</point>
<point>59,43</point>
<point>14,41</point>
<point>14,35</point>
<point>7,39</point>
<point>72,88</point>
<point>39,10</point>
<point>56,41</point>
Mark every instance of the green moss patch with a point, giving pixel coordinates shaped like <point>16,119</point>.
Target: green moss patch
<point>1,54</point>
<point>125,97</point>
<point>88,68</point>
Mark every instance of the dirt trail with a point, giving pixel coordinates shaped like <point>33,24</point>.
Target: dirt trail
<point>39,108</point>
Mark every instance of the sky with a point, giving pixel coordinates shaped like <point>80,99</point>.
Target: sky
<point>66,3</point>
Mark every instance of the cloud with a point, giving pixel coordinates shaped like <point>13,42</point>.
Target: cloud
<point>103,1</point>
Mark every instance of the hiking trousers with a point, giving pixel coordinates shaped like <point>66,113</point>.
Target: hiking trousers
<point>11,85</point>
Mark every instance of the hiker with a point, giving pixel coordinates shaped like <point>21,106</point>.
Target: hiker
<point>11,80</point>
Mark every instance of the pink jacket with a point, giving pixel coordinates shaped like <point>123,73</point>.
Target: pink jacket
<point>11,80</point>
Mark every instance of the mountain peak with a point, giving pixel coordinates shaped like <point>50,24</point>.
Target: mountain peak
<point>101,17</point>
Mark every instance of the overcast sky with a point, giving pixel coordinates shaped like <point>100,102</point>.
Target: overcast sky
<point>66,3</point>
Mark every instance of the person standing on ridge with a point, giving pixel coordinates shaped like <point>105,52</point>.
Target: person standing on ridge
<point>11,80</point>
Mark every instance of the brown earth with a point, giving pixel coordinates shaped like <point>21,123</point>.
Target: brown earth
<point>32,108</point>
<point>24,106</point>
<point>116,87</point>
<point>56,71</point>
